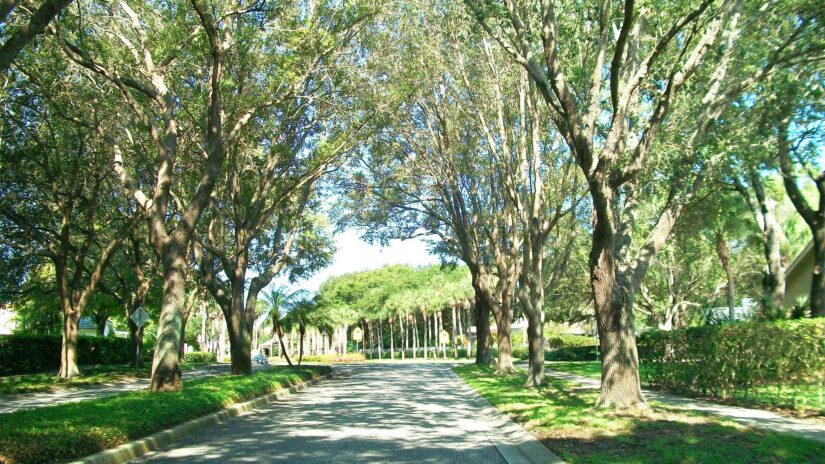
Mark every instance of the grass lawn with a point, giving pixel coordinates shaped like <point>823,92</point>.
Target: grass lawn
<point>563,418</point>
<point>65,432</point>
<point>94,375</point>
<point>796,400</point>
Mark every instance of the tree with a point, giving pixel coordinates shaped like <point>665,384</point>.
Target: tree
<point>56,197</point>
<point>645,69</point>
<point>22,31</point>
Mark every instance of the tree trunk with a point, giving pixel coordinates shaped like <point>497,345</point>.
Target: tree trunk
<point>453,332</point>
<point>773,283</point>
<point>280,334</point>
<point>392,341</point>
<point>483,337</point>
<point>535,342</point>
<point>818,278</point>
<point>505,345</point>
<point>100,328</point>
<point>136,339</point>
<point>614,316</point>
<point>301,331</point>
<point>404,328</point>
<point>166,374</point>
<point>426,333</point>
<point>68,349</point>
<point>414,335</point>
<point>723,252</point>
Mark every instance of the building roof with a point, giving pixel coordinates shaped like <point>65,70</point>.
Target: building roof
<point>809,248</point>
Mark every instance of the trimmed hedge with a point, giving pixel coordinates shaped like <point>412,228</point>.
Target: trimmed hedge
<point>25,353</point>
<point>571,341</point>
<point>69,431</point>
<point>736,360</point>
<point>199,357</point>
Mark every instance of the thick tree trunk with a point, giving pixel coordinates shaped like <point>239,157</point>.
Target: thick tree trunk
<point>535,348</point>
<point>723,252</point>
<point>614,318</point>
<point>773,283</point>
<point>166,374</point>
<point>505,346</point>
<point>68,348</point>
<point>483,338</point>
<point>816,298</point>
<point>100,327</point>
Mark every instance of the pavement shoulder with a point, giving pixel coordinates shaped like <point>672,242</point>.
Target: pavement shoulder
<point>514,443</point>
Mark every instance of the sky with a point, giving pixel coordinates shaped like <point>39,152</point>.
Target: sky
<point>354,254</point>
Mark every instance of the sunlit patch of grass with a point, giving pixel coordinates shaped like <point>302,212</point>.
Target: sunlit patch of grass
<point>67,431</point>
<point>95,375</point>
<point>564,419</point>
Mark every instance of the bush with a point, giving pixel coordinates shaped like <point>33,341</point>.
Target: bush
<point>570,341</point>
<point>199,357</point>
<point>566,348</point>
<point>331,358</point>
<point>65,432</point>
<point>735,359</point>
<point>25,353</point>
<point>575,353</point>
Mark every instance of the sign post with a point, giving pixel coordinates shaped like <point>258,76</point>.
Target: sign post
<point>357,335</point>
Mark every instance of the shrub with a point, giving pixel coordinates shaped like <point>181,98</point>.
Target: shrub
<point>735,359</point>
<point>199,357</point>
<point>574,353</point>
<point>566,348</point>
<point>26,353</point>
<point>570,341</point>
<point>330,358</point>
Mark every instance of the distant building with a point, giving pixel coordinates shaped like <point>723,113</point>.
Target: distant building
<point>798,276</point>
<point>744,312</point>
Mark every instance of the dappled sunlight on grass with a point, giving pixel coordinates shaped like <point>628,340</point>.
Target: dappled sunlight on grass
<point>564,418</point>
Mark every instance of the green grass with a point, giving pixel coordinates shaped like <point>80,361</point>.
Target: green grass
<point>68,431</point>
<point>93,375</point>
<point>563,418</point>
<point>592,369</point>
<point>797,400</point>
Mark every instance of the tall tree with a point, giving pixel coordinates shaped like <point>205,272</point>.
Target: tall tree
<point>644,69</point>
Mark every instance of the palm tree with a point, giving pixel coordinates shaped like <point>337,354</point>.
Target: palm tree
<point>280,301</point>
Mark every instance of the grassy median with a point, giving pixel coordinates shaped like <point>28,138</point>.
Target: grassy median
<point>564,419</point>
<point>68,431</point>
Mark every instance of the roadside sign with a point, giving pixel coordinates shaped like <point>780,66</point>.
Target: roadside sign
<point>357,334</point>
<point>139,317</point>
<point>444,336</point>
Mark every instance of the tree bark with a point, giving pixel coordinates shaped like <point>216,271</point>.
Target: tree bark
<point>68,351</point>
<point>621,386</point>
<point>36,25</point>
<point>483,355</point>
<point>818,277</point>
<point>535,342</point>
<point>166,373</point>
<point>723,252</point>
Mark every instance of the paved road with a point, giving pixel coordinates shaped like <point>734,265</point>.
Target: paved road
<point>394,413</point>
<point>9,403</point>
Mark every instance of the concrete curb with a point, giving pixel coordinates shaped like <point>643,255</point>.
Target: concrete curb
<point>516,445</point>
<point>156,441</point>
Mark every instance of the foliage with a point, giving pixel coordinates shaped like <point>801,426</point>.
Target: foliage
<point>739,360</point>
<point>334,358</point>
<point>24,353</point>
<point>199,357</point>
<point>69,431</point>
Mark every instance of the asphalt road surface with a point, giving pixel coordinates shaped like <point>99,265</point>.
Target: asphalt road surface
<point>376,413</point>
